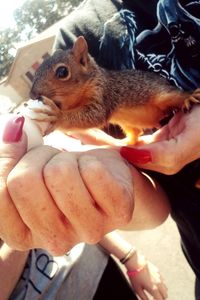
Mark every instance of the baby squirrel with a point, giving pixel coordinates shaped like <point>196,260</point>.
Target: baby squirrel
<point>83,95</point>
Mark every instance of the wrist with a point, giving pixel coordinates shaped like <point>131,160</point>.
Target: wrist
<point>134,272</point>
<point>136,265</point>
<point>135,262</point>
<point>127,256</point>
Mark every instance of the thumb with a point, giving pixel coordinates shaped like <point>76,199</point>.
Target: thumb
<point>166,157</point>
<point>13,143</point>
<point>17,136</point>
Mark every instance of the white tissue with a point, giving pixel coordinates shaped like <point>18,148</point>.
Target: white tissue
<point>28,111</point>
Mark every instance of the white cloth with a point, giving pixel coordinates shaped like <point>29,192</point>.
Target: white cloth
<point>70,277</point>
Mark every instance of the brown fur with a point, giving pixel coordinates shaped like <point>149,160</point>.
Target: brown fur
<point>91,96</point>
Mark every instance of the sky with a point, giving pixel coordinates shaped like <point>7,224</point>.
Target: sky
<point>6,12</point>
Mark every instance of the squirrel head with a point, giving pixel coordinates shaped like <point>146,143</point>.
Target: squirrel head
<point>65,75</point>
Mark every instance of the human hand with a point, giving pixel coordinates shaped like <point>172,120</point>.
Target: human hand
<point>12,263</point>
<point>147,280</point>
<point>54,200</point>
<point>13,145</point>
<point>172,147</point>
<point>96,136</point>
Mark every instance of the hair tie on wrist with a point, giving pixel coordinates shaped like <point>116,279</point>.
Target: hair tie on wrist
<point>135,272</point>
<point>128,255</point>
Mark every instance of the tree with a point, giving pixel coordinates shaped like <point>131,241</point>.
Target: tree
<point>33,17</point>
<point>8,40</point>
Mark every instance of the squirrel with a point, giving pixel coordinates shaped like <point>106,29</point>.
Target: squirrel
<point>84,95</point>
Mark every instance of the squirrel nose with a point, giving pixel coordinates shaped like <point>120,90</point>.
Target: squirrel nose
<point>34,95</point>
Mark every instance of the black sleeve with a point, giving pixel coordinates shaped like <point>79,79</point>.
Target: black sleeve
<point>87,20</point>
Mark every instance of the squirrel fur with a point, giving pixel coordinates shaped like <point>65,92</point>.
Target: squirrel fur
<point>83,95</point>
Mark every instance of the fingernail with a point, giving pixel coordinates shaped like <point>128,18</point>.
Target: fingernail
<point>13,130</point>
<point>136,156</point>
<point>72,136</point>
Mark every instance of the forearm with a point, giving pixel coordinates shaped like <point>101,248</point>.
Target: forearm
<point>143,275</point>
<point>11,266</point>
<point>123,250</point>
<point>115,244</point>
<point>151,206</point>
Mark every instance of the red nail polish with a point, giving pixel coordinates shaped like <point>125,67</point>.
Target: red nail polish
<point>13,130</point>
<point>136,156</point>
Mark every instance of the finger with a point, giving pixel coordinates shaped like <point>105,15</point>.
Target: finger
<point>175,125</point>
<point>171,155</point>
<point>142,294</point>
<point>155,292</point>
<point>161,284</point>
<point>97,137</point>
<point>109,182</point>
<point>66,186</point>
<point>167,157</point>
<point>48,226</point>
<point>157,282</point>
<point>13,145</point>
<point>172,147</point>
<point>163,290</point>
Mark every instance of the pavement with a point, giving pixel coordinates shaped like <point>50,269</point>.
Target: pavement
<point>162,247</point>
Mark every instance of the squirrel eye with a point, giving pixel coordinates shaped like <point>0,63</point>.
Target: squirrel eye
<point>62,72</point>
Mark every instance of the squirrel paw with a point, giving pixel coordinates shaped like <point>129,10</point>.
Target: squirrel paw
<point>51,104</point>
<point>194,98</point>
<point>44,115</point>
<point>50,113</point>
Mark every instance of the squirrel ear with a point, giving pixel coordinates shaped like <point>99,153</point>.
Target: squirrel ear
<point>80,50</point>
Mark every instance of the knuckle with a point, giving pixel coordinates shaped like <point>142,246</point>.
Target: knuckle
<point>91,167</point>
<point>54,171</point>
<point>56,241</point>
<point>60,246</point>
<point>123,219</point>
<point>94,238</point>
<point>94,235</point>
<point>125,206</point>
<point>172,165</point>
<point>13,182</point>
<point>154,289</point>
<point>22,180</point>
<point>59,249</point>
<point>21,241</point>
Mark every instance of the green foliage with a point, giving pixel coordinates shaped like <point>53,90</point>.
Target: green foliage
<point>37,15</point>
<point>33,17</point>
<point>8,39</point>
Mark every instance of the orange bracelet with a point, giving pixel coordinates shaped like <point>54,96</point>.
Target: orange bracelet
<point>136,271</point>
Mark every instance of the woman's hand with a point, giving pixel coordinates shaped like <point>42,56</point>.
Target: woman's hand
<point>146,279</point>
<point>12,263</point>
<point>143,275</point>
<point>54,200</point>
<point>172,147</point>
<point>167,151</point>
<point>96,136</point>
